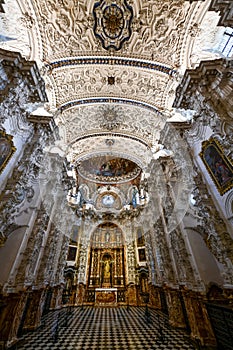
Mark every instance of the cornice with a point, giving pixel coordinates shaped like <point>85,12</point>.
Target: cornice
<point>145,64</point>
<point>13,63</point>
<point>225,7</point>
<point>200,76</point>
<point>101,100</point>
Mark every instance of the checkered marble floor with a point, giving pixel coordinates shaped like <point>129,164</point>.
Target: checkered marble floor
<point>90,328</point>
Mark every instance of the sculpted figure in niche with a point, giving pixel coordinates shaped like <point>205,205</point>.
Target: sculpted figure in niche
<point>107,269</point>
<point>107,237</point>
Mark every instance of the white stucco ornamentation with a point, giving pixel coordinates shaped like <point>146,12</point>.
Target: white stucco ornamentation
<point>129,120</point>
<point>159,151</point>
<point>77,82</point>
<point>157,29</point>
<point>122,147</point>
<point>181,115</point>
<point>14,29</point>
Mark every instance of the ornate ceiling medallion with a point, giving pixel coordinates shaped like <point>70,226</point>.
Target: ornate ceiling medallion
<point>110,119</point>
<point>112,22</point>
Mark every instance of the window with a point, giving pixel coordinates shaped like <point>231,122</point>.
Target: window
<point>71,253</point>
<point>226,46</point>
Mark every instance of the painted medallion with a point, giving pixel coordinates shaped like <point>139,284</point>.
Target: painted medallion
<point>112,23</point>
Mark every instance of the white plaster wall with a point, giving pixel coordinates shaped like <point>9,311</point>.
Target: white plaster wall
<point>9,252</point>
<point>205,261</point>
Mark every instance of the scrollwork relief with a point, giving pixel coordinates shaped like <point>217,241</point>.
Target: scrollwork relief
<point>77,82</point>
<point>157,29</point>
<point>127,119</point>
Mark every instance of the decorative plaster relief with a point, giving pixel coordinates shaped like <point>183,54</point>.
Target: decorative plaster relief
<point>131,120</point>
<point>112,23</point>
<point>133,150</point>
<point>74,83</point>
<point>208,37</point>
<point>89,128</point>
<point>14,29</point>
<point>157,29</point>
<point>7,149</point>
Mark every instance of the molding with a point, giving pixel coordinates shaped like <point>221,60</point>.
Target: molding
<point>203,75</point>
<point>7,149</point>
<point>112,134</point>
<point>13,61</point>
<point>225,7</point>
<point>101,100</point>
<point>111,61</point>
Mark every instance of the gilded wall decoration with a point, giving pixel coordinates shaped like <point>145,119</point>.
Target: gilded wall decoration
<point>112,23</point>
<point>106,267</point>
<point>7,149</point>
<point>105,297</point>
<point>218,165</point>
<point>107,235</point>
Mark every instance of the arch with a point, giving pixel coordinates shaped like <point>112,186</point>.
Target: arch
<point>101,100</point>
<point>208,267</point>
<point>229,206</point>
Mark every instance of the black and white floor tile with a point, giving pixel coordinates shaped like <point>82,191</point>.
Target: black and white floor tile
<point>90,328</point>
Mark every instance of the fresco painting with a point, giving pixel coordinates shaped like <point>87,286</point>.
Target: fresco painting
<point>108,166</point>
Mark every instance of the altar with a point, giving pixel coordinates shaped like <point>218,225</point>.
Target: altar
<point>106,296</point>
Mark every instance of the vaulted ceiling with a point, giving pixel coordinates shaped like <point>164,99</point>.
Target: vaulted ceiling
<point>111,67</point>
